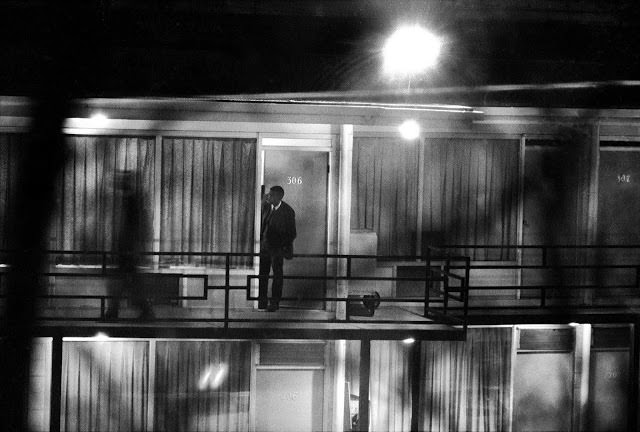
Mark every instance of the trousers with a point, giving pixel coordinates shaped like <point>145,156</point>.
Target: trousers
<point>270,259</point>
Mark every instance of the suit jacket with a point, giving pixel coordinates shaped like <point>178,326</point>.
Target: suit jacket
<point>282,226</point>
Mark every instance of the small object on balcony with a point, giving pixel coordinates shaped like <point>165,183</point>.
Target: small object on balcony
<point>365,305</point>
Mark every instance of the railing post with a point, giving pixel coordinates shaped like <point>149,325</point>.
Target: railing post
<point>347,316</point>
<point>226,289</point>
<point>427,281</point>
<point>445,283</point>
<point>467,277</point>
<point>543,291</point>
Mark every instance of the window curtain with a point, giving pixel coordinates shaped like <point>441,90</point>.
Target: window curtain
<point>384,192</point>
<point>11,151</point>
<point>208,197</point>
<point>471,195</point>
<point>202,386</point>
<point>390,386</point>
<point>89,199</point>
<point>465,386</point>
<point>105,386</point>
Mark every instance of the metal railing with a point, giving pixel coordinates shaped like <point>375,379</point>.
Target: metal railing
<point>582,262</point>
<point>432,310</point>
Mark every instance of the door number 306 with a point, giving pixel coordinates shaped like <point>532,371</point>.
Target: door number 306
<point>294,180</point>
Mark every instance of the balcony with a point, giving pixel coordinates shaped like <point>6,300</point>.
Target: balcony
<point>434,296</point>
<point>215,295</point>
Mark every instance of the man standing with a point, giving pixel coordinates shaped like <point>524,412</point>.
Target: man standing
<point>276,242</point>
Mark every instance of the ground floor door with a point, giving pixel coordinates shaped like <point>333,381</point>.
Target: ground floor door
<point>303,175</point>
<point>289,400</point>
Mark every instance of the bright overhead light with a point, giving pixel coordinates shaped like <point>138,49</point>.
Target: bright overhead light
<point>410,50</point>
<point>409,340</point>
<point>409,130</point>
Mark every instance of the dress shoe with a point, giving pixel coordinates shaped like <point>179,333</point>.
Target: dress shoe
<point>273,307</point>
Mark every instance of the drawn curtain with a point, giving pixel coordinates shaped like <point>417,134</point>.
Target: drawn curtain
<point>88,198</point>
<point>471,195</point>
<point>208,197</point>
<point>11,150</point>
<point>390,386</point>
<point>105,386</point>
<point>465,386</point>
<point>384,192</point>
<point>202,386</point>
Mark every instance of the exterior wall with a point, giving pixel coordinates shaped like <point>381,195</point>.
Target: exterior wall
<point>568,378</point>
<point>176,117</point>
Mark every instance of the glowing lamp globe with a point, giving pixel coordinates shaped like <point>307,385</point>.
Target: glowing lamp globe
<point>409,130</point>
<point>410,50</point>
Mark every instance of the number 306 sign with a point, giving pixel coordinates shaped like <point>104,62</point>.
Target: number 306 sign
<point>294,180</point>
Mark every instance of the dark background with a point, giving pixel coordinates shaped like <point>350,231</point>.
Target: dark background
<point>196,47</point>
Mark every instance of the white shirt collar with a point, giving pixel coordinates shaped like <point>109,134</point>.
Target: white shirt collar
<point>276,207</point>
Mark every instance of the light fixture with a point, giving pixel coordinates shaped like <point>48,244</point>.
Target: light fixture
<point>409,130</point>
<point>410,50</point>
<point>408,340</point>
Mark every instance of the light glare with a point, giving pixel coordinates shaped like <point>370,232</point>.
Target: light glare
<point>212,377</point>
<point>101,337</point>
<point>410,50</point>
<point>99,120</point>
<point>409,130</point>
<point>409,340</point>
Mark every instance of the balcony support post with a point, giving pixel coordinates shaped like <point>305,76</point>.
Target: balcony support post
<point>344,214</point>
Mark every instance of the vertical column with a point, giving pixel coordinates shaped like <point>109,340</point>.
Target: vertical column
<point>157,197</point>
<point>415,385</point>
<point>592,210</point>
<point>420,202</point>
<point>634,401</point>
<point>520,226</point>
<point>363,398</point>
<point>341,398</point>
<point>56,384</point>
<point>344,213</point>
<point>151,393</point>
<point>581,374</point>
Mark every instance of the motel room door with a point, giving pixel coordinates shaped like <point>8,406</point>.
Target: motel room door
<point>303,174</point>
<point>618,209</point>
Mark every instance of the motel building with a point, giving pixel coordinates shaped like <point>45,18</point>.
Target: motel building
<point>467,257</point>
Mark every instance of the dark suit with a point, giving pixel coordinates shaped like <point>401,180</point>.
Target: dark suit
<point>276,242</point>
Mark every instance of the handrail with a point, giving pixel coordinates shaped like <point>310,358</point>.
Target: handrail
<point>107,270</point>
<point>458,273</point>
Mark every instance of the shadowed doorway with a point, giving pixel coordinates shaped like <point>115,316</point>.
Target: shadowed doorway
<point>303,174</point>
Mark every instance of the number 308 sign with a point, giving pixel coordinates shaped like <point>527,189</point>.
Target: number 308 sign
<point>294,180</point>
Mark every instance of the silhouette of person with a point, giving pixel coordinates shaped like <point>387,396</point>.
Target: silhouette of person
<point>278,231</point>
<point>133,231</point>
